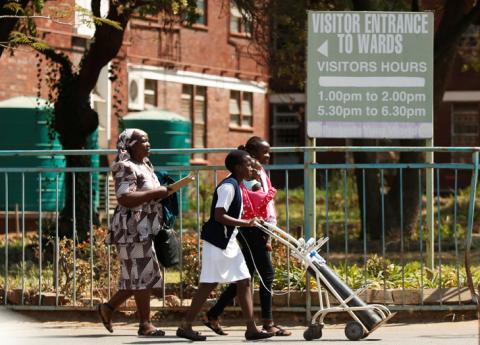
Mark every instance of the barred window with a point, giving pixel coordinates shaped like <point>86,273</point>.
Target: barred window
<point>202,12</point>
<point>193,107</point>
<point>239,22</point>
<point>465,128</point>
<point>150,92</point>
<point>241,109</point>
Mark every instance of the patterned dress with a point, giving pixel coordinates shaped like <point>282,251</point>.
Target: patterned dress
<point>132,229</point>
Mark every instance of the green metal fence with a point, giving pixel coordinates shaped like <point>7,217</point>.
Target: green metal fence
<point>416,267</point>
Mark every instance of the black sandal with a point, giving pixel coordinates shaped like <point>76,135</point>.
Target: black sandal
<point>279,333</point>
<point>155,332</point>
<point>216,328</point>
<point>258,335</point>
<point>152,333</point>
<point>106,323</point>
<point>190,334</point>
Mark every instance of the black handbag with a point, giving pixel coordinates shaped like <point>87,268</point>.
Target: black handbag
<point>167,247</point>
<point>166,242</point>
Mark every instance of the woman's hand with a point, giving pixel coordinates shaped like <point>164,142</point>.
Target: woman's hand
<point>181,183</point>
<point>190,177</point>
<point>252,222</point>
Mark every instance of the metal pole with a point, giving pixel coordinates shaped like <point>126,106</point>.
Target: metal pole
<point>430,243</point>
<point>309,190</point>
<point>468,235</point>
<point>309,206</point>
<point>5,297</point>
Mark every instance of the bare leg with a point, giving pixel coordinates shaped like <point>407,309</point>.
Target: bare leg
<point>198,300</point>
<point>106,310</point>
<point>119,298</point>
<point>115,302</point>
<point>142,299</point>
<point>244,296</point>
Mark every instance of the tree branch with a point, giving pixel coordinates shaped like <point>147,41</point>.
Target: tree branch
<point>7,25</point>
<point>35,17</point>
<point>107,42</point>
<point>448,35</point>
<point>415,6</point>
<point>361,5</point>
<point>59,58</point>
<point>96,10</point>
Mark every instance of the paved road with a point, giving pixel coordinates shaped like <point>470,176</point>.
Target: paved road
<point>18,330</point>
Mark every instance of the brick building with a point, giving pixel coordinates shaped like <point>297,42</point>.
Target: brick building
<point>205,73</point>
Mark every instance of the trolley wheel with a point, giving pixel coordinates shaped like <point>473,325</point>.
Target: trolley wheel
<point>354,330</point>
<point>313,332</point>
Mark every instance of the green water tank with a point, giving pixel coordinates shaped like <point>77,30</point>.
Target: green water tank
<point>24,123</point>
<point>166,130</point>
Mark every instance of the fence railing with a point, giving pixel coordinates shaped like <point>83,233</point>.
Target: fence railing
<point>385,231</point>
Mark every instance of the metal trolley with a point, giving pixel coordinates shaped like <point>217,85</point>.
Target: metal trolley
<point>366,317</point>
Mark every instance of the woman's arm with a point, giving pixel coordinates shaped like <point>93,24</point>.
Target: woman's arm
<point>134,199</point>
<point>222,217</point>
<point>180,183</point>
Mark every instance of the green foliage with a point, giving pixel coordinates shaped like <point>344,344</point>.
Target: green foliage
<point>14,7</point>
<point>184,10</point>
<point>378,273</point>
<point>382,273</point>
<point>190,259</point>
<point>84,273</point>
<point>88,18</point>
<point>74,268</point>
<point>18,38</point>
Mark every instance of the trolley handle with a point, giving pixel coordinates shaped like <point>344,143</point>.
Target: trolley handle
<point>359,291</point>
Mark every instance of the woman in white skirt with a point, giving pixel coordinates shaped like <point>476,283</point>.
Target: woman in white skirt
<point>222,259</point>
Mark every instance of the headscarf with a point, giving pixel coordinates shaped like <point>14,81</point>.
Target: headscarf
<point>124,143</point>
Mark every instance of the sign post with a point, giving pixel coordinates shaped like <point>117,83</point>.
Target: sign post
<point>370,75</point>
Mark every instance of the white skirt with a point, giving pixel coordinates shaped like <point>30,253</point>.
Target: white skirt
<point>223,266</point>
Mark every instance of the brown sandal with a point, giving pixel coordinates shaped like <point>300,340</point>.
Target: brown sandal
<point>190,334</point>
<point>258,335</point>
<point>107,323</point>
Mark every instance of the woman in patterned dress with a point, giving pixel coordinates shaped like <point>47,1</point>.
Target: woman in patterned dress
<point>137,218</point>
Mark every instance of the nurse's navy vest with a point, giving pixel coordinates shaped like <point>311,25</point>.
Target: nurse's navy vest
<point>215,232</point>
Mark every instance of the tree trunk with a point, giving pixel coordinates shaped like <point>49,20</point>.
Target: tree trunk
<point>84,214</point>
<point>391,198</point>
<point>372,216</point>
<point>75,120</point>
<point>402,199</point>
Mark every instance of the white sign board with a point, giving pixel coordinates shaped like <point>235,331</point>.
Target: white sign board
<point>370,75</point>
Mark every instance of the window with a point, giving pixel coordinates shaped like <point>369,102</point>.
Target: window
<point>465,128</point>
<point>193,106</point>
<point>202,12</point>
<point>150,92</point>
<point>241,109</point>
<point>239,23</point>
